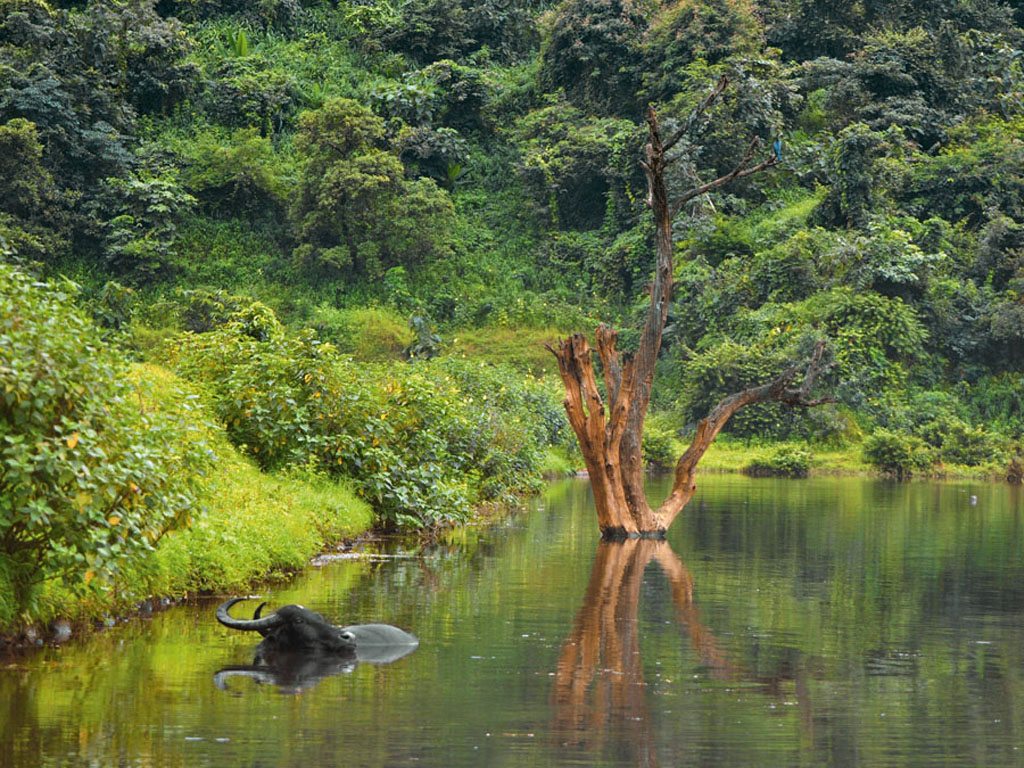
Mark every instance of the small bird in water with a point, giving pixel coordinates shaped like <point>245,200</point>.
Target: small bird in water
<point>974,501</point>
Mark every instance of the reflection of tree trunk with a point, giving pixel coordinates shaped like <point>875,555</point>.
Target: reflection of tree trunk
<point>599,685</point>
<point>681,583</point>
<point>599,681</point>
<point>603,650</point>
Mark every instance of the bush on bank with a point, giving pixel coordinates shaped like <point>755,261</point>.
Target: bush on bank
<point>248,526</point>
<point>421,442</point>
<point>90,478</point>
<point>115,484</point>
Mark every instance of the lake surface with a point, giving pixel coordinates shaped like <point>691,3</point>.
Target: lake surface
<point>823,622</point>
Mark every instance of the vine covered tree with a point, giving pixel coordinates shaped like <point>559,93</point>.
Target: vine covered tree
<point>610,435</point>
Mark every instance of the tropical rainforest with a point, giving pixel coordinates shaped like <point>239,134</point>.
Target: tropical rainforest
<point>293,263</point>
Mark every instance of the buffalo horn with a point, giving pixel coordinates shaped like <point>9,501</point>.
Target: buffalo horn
<point>246,625</point>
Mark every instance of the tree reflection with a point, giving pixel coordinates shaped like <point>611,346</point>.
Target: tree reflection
<point>599,682</point>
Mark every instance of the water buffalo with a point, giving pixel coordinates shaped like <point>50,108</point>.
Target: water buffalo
<point>292,628</point>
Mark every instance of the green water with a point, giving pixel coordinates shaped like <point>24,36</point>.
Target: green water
<point>825,622</point>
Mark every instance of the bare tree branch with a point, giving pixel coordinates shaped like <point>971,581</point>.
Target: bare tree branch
<point>778,390</point>
<point>698,112</point>
<point>741,170</point>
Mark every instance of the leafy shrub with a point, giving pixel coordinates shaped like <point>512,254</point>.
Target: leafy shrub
<point>140,234</point>
<point>355,212</point>
<point>897,454</point>
<point>261,14</point>
<point>578,168</point>
<point>869,336</point>
<point>251,93</point>
<point>421,442</point>
<point>234,172</point>
<point>203,310</point>
<point>690,30</point>
<point>367,333</point>
<point>28,193</point>
<point>730,367</point>
<point>114,306</point>
<point>999,401</point>
<point>784,461</point>
<point>89,480</point>
<point>658,447</point>
<point>958,442</point>
<point>591,48</point>
<point>428,30</point>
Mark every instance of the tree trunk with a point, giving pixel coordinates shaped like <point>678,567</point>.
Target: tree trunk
<point>611,438</point>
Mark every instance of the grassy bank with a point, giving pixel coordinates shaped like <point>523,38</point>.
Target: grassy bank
<point>727,455</point>
<point>249,526</point>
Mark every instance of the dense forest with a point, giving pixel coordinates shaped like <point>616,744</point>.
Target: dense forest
<point>333,237</point>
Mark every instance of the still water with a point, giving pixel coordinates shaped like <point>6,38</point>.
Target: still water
<point>823,622</point>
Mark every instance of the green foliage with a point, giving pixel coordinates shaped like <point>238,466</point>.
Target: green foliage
<point>250,93</point>
<point>461,94</point>
<point>32,224</point>
<point>89,479</point>
<point>659,447</point>
<point>730,367</point>
<point>521,348</point>
<point>438,153</point>
<point>114,306</point>
<point>687,31</point>
<point>578,168</point>
<point>355,212</point>
<point>261,14</point>
<point>590,50</point>
<point>234,253</point>
<point>896,454</point>
<point>27,183</point>
<point>237,172</point>
<point>373,334</point>
<point>421,442</point>
<point>999,402</point>
<point>429,30</point>
<point>144,51</point>
<point>785,461</point>
<point>870,335</point>
<point>790,271</point>
<point>857,178</point>
<point>145,210</point>
<point>957,442</point>
<point>976,173</point>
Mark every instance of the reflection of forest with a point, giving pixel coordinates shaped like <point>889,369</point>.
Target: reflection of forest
<point>599,682</point>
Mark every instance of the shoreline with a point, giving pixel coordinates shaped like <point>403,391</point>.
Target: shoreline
<point>340,529</point>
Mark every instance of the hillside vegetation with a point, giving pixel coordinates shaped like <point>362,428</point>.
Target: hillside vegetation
<point>346,230</point>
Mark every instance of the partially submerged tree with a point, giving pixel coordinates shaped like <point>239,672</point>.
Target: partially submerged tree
<point>610,436</point>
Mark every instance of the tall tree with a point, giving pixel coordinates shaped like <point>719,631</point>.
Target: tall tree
<point>610,438</point>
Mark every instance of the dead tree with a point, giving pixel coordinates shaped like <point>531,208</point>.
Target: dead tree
<point>610,436</point>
